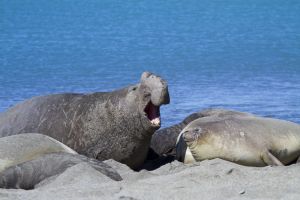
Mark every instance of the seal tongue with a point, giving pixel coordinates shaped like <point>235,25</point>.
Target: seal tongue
<point>153,113</point>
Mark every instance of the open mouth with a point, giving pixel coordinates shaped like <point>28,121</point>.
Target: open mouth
<point>153,114</point>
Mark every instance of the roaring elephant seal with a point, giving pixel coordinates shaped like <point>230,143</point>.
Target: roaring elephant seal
<point>27,159</point>
<point>103,125</point>
<point>239,137</point>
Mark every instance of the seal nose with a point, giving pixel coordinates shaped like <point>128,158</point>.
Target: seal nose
<point>191,135</point>
<point>160,95</point>
<point>158,88</point>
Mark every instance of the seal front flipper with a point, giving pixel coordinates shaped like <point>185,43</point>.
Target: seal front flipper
<point>270,159</point>
<point>183,152</point>
<point>181,148</point>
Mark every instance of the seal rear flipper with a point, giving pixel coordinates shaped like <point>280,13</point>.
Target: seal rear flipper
<point>270,159</point>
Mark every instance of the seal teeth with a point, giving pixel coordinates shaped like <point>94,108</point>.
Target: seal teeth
<point>153,114</point>
<point>156,121</point>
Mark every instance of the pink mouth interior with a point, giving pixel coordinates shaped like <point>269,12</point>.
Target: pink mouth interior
<point>152,111</point>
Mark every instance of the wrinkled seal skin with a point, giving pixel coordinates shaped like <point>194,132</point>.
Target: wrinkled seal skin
<point>239,137</point>
<point>102,125</point>
<point>163,141</point>
<point>28,174</point>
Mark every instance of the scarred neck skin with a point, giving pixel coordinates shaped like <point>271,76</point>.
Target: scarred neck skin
<point>126,122</point>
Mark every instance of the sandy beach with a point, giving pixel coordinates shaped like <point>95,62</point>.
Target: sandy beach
<point>73,70</point>
<point>210,179</point>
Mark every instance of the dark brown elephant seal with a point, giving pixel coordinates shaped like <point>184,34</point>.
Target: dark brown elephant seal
<point>239,137</point>
<point>103,125</point>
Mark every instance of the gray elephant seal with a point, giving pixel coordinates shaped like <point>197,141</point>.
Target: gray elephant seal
<point>27,159</point>
<point>28,174</point>
<point>104,125</point>
<point>17,149</point>
<point>239,137</point>
<point>163,143</point>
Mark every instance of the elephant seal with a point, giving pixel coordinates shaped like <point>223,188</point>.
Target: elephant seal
<point>27,159</point>
<point>163,143</point>
<point>103,125</point>
<point>239,137</point>
<point>28,174</point>
<point>17,149</point>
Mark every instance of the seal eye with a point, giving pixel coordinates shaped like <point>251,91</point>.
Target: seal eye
<point>133,88</point>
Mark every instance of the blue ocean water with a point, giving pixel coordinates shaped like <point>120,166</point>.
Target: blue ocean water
<point>233,54</point>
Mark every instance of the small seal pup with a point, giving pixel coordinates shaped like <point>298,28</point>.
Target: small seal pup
<point>103,125</point>
<point>27,159</point>
<point>239,137</point>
